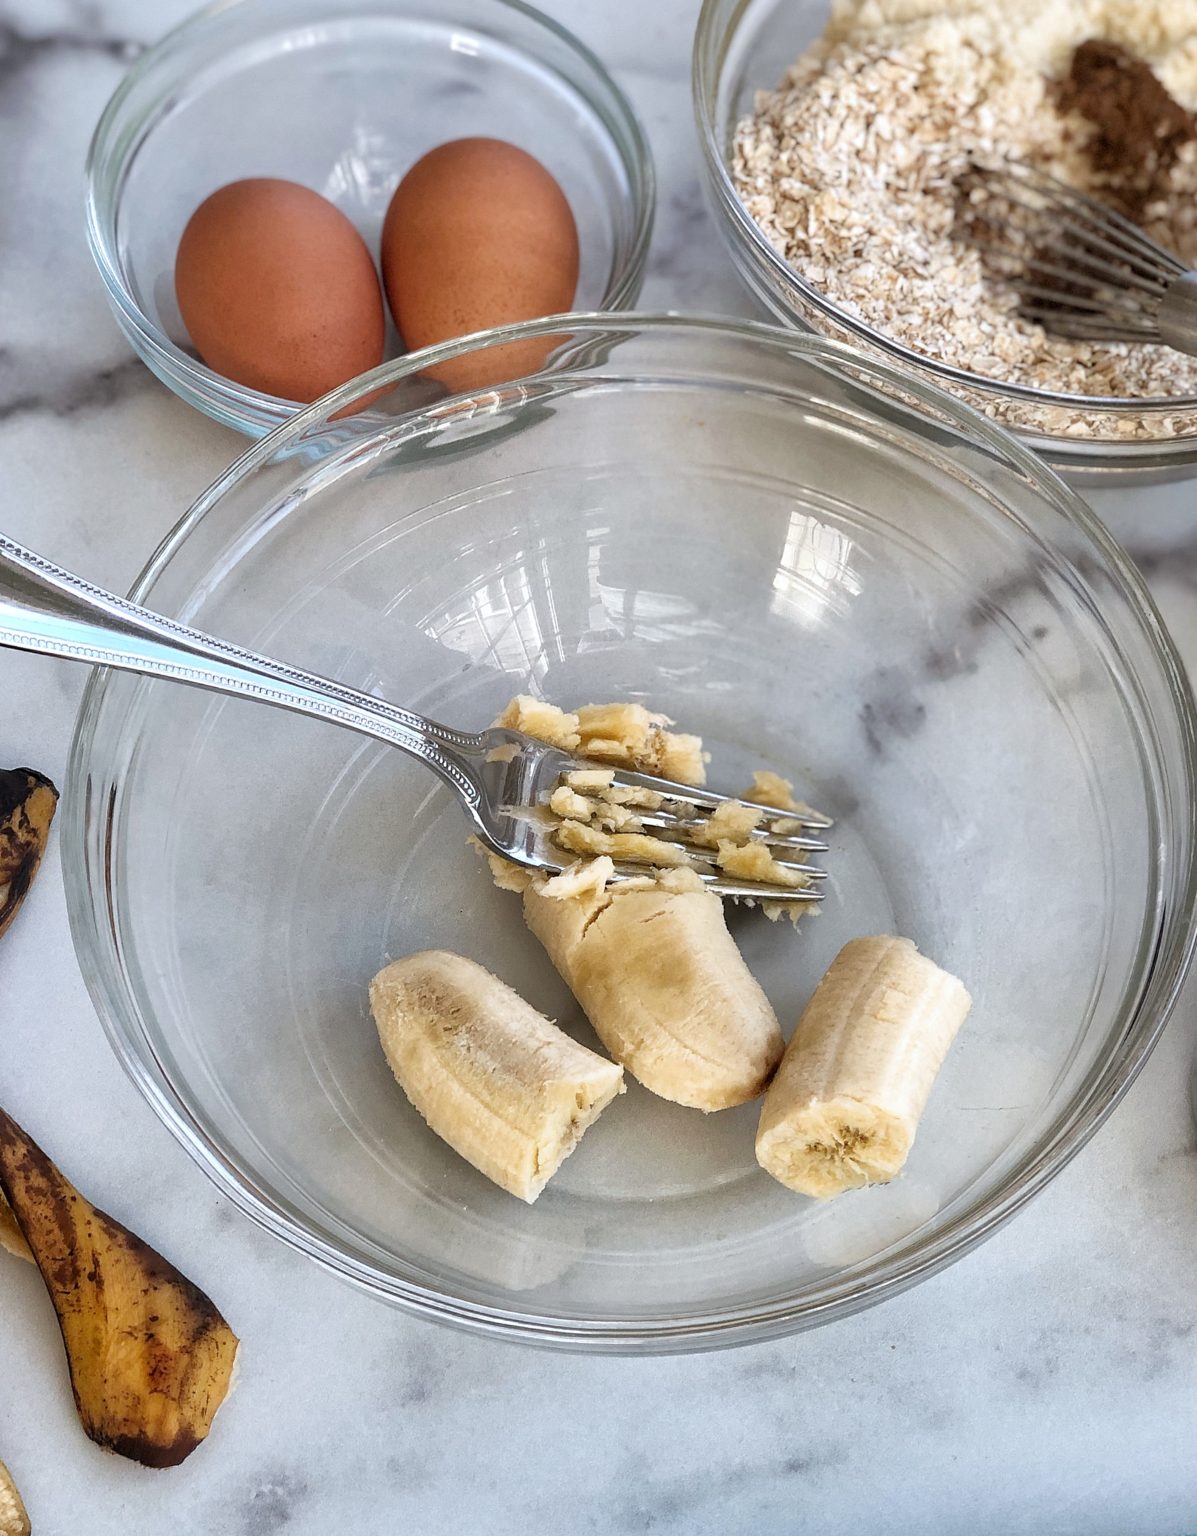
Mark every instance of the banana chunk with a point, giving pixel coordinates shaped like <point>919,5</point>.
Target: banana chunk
<point>626,734</point>
<point>507,1089</point>
<point>660,978</point>
<point>844,1107</point>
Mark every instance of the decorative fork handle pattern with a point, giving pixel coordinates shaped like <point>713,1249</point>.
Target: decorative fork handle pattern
<point>46,609</point>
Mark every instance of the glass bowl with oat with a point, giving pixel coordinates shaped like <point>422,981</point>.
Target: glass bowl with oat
<point>836,142</point>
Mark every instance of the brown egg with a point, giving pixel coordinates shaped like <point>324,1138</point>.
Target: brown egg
<point>478,234</point>
<point>277,289</point>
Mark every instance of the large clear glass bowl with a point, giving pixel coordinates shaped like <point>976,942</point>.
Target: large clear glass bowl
<point>743,46</point>
<point>344,96</point>
<point>821,565</point>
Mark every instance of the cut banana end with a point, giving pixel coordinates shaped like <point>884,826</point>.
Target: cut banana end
<point>507,1089</point>
<point>826,1147</point>
<point>844,1107</point>
<point>14,1521</point>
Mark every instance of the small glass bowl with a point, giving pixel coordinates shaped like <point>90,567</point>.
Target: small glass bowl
<point>823,566</point>
<point>344,96</point>
<point>742,46</point>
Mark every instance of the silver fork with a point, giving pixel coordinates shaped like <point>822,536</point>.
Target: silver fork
<point>44,608</point>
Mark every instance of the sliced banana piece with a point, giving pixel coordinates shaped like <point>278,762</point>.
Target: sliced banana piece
<point>660,978</point>
<point>494,1078</point>
<point>14,1520</point>
<point>844,1107</point>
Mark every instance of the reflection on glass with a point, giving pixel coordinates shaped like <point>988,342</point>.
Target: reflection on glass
<point>815,574</point>
<point>514,615</point>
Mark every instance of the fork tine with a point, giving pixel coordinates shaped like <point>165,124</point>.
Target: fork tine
<point>758,890</point>
<point>665,823</point>
<point>812,871</point>
<point>788,839</point>
<point>705,801</point>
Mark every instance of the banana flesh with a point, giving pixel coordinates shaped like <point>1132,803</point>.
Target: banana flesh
<point>11,1236</point>
<point>844,1107</point>
<point>27,804</point>
<point>651,961</point>
<point>151,1358</point>
<point>661,980</point>
<point>627,735</point>
<point>14,1521</point>
<point>507,1089</point>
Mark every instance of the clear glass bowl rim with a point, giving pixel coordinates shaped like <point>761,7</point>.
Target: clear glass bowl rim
<point>709,52</point>
<point>103,193</point>
<point>1157,987</point>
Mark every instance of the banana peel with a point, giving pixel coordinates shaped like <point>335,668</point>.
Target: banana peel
<point>28,801</point>
<point>14,1519</point>
<point>151,1358</point>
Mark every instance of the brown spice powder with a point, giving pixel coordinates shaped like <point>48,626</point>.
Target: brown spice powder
<point>1137,128</point>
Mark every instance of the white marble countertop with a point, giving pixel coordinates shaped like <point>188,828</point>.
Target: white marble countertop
<point>1043,1384</point>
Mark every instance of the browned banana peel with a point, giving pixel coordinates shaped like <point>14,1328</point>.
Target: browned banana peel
<point>14,1521</point>
<point>27,804</point>
<point>12,1238</point>
<point>151,1358</point>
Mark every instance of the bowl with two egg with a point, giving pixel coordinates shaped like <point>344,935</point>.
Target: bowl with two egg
<point>304,119</point>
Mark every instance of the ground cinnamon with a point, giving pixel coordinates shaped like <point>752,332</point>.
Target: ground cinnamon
<point>1137,130</point>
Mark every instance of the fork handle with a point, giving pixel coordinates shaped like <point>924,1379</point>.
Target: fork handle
<point>46,609</point>
<point>1177,318</point>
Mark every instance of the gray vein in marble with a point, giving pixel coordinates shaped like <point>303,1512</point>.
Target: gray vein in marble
<point>76,393</point>
<point>685,219</point>
<point>653,1498</point>
<point>893,710</point>
<point>1176,562</point>
<point>272,1505</point>
<point>21,49</point>
<point>941,665</point>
